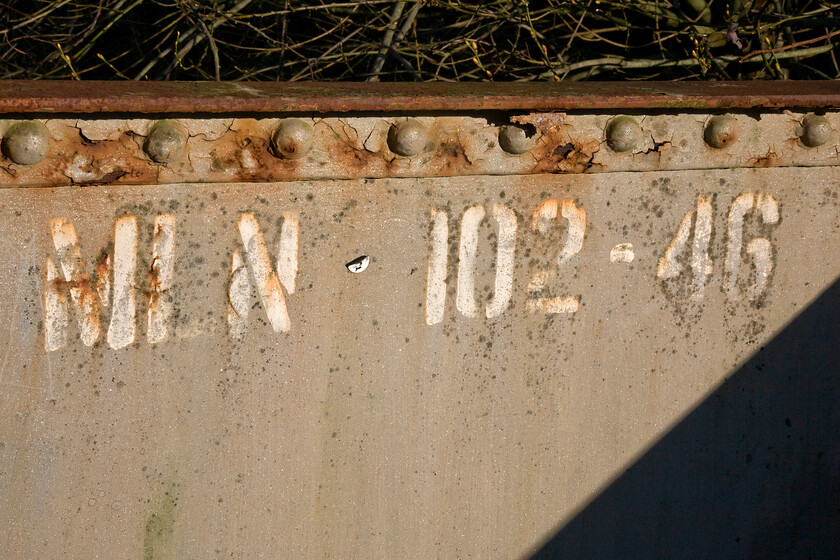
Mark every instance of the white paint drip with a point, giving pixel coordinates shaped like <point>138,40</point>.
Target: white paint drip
<point>701,264</point>
<point>623,252</point>
<point>259,264</point>
<point>577,228</point>
<point>121,330</point>
<point>436,279</point>
<point>465,297</point>
<point>163,265</point>
<point>287,254</point>
<point>505,252</point>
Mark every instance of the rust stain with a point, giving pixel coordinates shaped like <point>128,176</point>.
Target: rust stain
<point>770,159</point>
<point>83,284</point>
<point>154,282</point>
<point>453,157</point>
<point>566,156</point>
<point>102,269</point>
<point>351,158</point>
<point>545,123</point>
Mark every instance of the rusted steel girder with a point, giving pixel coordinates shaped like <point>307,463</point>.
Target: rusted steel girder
<point>271,97</point>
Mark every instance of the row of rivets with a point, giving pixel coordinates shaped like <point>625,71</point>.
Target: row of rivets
<point>27,143</point>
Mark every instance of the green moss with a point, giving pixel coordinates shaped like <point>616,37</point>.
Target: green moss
<point>157,539</point>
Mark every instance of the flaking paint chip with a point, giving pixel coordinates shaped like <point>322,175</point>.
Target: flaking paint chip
<point>359,264</point>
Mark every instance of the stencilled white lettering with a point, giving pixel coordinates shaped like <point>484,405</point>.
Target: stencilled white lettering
<point>77,281</point>
<point>112,284</point>
<point>465,298</point>
<point>467,251</point>
<point>543,217</point>
<point>161,276</point>
<point>72,290</point>
<point>122,329</point>
<point>256,266</point>
<point>701,264</point>
<point>759,248</point>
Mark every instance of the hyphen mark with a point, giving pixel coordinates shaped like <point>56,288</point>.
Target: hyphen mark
<point>623,253</point>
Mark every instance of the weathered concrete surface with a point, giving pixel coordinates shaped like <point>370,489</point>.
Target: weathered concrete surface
<point>375,422</point>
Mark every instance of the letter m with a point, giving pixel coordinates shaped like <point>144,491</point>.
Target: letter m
<point>70,284</point>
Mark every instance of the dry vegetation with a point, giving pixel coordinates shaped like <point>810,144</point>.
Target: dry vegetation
<point>429,40</point>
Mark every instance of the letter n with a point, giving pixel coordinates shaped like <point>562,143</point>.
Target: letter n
<point>256,266</point>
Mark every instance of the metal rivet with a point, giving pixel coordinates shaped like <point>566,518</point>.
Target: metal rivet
<point>816,130</point>
<point>292,139</point>
<point>517,138</point>
<point>623,134</point>
<point>166,142</point>
<point>721,131</point>
<point>407,138</point>
<point>26,143</point>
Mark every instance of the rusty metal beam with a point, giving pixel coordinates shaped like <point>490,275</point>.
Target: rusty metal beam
<point>268,97</point>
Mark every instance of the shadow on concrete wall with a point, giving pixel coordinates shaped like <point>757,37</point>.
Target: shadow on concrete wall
<point>752,472</point>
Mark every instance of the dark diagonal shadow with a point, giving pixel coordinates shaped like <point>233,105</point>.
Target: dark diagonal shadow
<point>752,472</point>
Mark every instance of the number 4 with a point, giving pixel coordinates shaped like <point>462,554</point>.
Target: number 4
<point>701,263</point>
